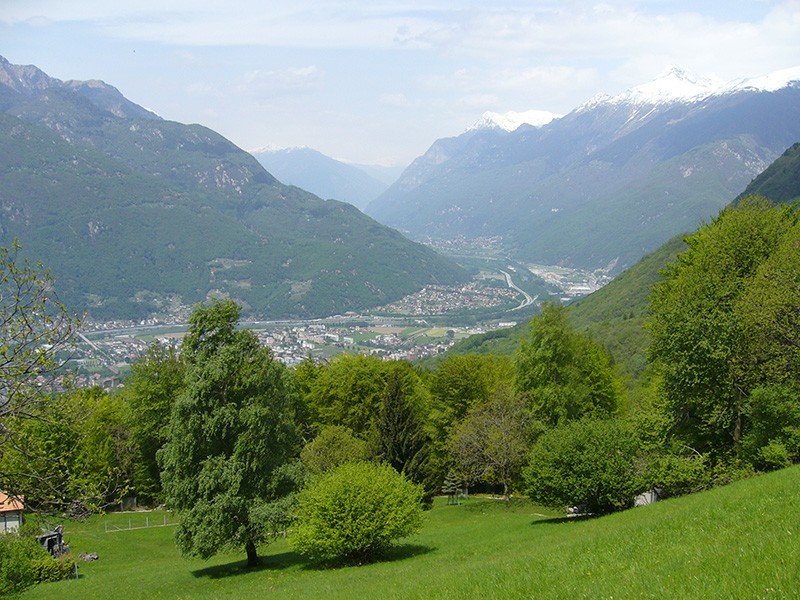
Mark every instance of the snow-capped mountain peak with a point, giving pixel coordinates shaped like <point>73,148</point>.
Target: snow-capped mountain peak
<point>768,83</point>
<point>512,120</point>
<point>673,85</point>
<point>676,84</point>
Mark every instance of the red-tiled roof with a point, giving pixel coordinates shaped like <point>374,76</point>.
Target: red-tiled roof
<point>8,504</point>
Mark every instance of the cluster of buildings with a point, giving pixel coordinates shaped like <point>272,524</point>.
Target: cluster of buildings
<point>440,299</point>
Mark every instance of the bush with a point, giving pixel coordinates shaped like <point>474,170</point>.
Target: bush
<point>588,463</point>
<point>334,446</point>
<point>355,512</point>
<point>23,562</point>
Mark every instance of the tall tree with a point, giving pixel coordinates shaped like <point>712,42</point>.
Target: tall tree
<point>348,392</point>
<point>705,333</point>
<point>399,436</point>
<point>231,438</point>
<point>564,374</point>
<point>462,382</point>
<point>492,442</point>
<point>35,329</point>
<point>157,380</point>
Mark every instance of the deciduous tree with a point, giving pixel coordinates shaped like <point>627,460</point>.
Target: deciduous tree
<point>36,333</point>
<point>492,441</point>
<point>564,374</point>
<point>231,438</point>
<point>710,342</point>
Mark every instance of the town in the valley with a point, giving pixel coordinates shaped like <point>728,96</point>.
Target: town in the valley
<point>420,325</point>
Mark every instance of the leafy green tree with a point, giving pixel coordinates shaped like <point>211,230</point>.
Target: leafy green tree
<point>348,392</point>
<point>333,446</point>
<point>705,333</point>
<point>460,383</point>
<point>769,310</point>
<point>491,443</point>
<point>772,440</point>
<point>355,512</point>
<point>565,375</point>
<point>226,466</point>
<point>591,463</point>
<point>156,381</point>
<point>36,330</point>
<point>79,458</point>
<point>399,436</point>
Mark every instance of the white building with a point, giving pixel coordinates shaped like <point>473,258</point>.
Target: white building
<point>10,513</point>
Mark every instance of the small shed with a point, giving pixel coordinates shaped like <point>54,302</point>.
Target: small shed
<point>11,510</point>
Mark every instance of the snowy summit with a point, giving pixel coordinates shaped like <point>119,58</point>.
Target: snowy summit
<point>672,85</point>
<point>680,85</point>
<point>512,120</point>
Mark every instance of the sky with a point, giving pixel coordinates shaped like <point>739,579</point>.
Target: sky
<point>376,81</point>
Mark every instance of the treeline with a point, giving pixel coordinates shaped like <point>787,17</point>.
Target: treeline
<point>227,436</point>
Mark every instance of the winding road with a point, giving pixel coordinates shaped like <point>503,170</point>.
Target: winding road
<point>528,298</point>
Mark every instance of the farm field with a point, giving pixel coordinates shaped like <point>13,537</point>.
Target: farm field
<point>740,541</point>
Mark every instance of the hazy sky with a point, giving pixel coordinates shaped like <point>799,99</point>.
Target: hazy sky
<point>378,81</point>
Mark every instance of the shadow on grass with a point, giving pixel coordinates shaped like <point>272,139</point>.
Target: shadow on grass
<point>271,562</point>
<point>557,520</point>
<point>392,554</point>
<point>285,560</point>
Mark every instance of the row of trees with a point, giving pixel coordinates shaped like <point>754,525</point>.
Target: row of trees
<point>228,437</point>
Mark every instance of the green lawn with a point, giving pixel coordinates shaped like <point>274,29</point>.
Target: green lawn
<point>741,541</point>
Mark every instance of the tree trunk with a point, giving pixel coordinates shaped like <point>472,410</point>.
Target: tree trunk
<point>252,554</point>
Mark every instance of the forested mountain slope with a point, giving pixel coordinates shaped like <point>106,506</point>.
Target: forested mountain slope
<point>608,182</point>
<point>133,213</point>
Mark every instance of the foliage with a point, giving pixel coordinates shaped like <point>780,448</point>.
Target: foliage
<point>565,374</point>
<point>773,438</point>
<point>34,328</point>
<point>701,315</point>
<point>81,457</point>
<point>231,434</point>
<point>591,463</point>
<point>460,383</point>
<point>492,441</point>
<point>348,392</point>
<point>356,512</point>
<point>333,446</point>
<point>156,381</point>
<point>398,436</point>
<point>23,562</point>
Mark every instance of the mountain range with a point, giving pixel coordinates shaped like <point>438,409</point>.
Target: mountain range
<point>321,175</point>
<point>615,314</point>
<point>134,214</point>
<point>606,183</point>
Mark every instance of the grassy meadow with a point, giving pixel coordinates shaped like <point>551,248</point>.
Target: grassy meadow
<point>740,541</point>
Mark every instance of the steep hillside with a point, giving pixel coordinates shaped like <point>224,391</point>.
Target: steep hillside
<point>614,314</point>
<point>780,182</point>
<point>608,182</point>
<point>133,213</point>
<point>321,175</point>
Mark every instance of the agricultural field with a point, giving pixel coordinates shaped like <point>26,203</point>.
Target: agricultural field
<point>739,541</point>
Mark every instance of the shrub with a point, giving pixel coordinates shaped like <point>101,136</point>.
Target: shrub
<point>587,463</point>
<point>334,446</point>
<point>355,512</point>
<point>23,562</point>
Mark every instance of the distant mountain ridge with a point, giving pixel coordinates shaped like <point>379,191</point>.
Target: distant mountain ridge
<point>135,214</point>
<point>321,175</point>
<point>609,181</point>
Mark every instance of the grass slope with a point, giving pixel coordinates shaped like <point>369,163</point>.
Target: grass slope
<point>740,541</point>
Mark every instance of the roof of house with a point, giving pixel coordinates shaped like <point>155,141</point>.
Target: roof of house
<point>9,504</point>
